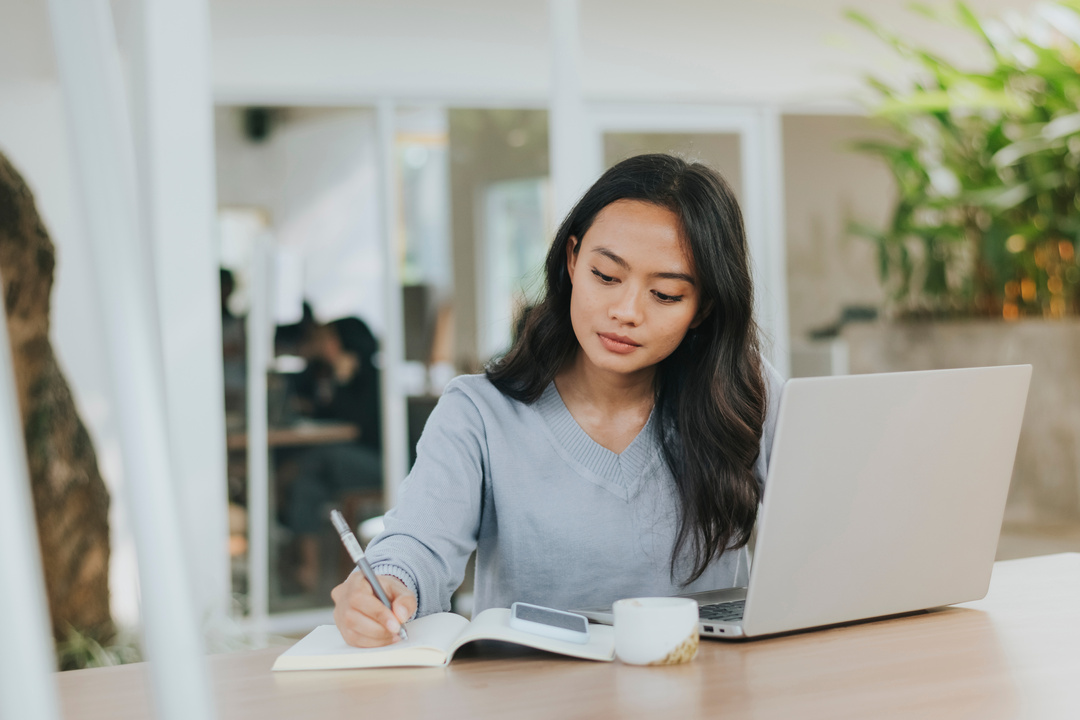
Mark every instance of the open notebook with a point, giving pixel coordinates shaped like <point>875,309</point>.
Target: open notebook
<point>433,640</point>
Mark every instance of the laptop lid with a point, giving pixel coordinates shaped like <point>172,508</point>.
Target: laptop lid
<point>885,494</point>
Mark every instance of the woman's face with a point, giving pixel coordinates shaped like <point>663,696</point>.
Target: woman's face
<point>635,294</point>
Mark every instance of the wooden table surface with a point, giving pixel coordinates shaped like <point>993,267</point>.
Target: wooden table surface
<point>310,432</point>
<point>1014,654</point>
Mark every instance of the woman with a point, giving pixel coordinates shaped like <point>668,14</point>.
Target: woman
<point>620,447</point>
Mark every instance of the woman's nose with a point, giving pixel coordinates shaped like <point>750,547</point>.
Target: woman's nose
<point>627,309</point>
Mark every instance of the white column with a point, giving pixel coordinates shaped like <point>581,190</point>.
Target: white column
<point>395,430</point>
<point>259,349</point>
<point>571,162</point>
<point>103,149</point>
<point>763,214</point>
<point>772,280</point>
<point>27,663</point>
<point>173,111</point>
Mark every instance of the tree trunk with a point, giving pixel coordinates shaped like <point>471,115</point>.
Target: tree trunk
<point>70,499</point>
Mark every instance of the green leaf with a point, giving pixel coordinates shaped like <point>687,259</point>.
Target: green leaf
<point>1062,126</point>
<point>945,101</point>
<point>1017,151</point>
<point>927,11</point>
<point>968,18</point>
<point>1010,196</point>
<point>859,19</point>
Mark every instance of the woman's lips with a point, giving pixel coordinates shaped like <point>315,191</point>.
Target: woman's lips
<point>618,343</point>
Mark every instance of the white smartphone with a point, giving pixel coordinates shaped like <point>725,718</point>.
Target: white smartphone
<point>556,624</point>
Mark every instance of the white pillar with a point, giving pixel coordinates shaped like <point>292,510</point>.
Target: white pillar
<point>395,430</point>
<point>571,163</point>
<point>27,662</point>
<point>172,107</point>
<point>95,100</point>
<point>772,280</point>
<point>259,331</point>
<point>763,213</point>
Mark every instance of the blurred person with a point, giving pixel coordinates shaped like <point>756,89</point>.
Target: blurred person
<point>234,376</point>
<point>234,354</point>
<point>340,383</point>
<point>620,447</point>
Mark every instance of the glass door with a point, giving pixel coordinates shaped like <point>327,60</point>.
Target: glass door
<point>303,293</point>
<point>368,256</point>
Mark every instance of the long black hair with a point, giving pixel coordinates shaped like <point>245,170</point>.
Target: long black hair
<point>710,394</point>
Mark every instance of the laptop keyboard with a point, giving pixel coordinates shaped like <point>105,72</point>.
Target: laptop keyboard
<point>722,612</point>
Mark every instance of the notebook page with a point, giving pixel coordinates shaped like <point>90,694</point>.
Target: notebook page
<point>430,639</point>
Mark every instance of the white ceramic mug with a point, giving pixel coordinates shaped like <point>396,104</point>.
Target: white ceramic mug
<point>656,631</point>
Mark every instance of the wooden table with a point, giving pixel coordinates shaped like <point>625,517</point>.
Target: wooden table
<point>308,432</point>
<point>1015,654</point>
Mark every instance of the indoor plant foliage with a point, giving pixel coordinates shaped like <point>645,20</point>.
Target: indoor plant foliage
<point>987,166</point>
<point>71,501</point>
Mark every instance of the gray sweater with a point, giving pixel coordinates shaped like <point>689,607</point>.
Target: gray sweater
<point>555,518</point>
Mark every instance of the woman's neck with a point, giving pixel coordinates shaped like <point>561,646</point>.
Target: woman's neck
<point>581,383</point>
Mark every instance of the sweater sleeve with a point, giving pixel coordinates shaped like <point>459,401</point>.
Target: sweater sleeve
<point>774,383</point>
<point>431,532</point>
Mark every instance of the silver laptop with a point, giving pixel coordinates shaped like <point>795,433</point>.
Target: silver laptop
<point>885,495</point>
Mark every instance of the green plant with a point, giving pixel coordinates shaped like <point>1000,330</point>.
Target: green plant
<point>986,166</point>
<point>80,650</point>
<point>221,634</point>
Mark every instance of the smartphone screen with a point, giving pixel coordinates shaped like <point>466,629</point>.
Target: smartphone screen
<point>549,617</point>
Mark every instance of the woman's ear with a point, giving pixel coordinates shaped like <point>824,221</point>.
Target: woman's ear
<point>702,313</point>
<point>572,245</point>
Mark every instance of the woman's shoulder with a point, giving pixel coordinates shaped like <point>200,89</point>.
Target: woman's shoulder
<point>481,392</point>
<point>478,385</point>
<point>471,405</point>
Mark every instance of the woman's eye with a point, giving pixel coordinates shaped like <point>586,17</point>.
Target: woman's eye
<point>602,276</point>
<point>667,298</point>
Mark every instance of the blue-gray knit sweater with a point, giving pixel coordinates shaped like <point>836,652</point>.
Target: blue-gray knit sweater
<point>556,519</point>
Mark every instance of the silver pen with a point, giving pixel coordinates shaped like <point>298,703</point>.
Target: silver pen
<point>357,555</point>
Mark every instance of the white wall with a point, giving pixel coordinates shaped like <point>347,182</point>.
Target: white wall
<point>826,186</point>
<point>788,52</point>
<point>329,49</point>
<point>800,52</point>
<point>25,42</point>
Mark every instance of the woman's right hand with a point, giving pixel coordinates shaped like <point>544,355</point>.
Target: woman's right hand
<point>361,617</point>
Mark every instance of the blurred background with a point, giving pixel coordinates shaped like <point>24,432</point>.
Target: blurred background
<point>382,180</point>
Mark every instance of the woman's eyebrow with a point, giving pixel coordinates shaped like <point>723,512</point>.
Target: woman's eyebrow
<point>674,276</point>
<point>626,266</point>
<point>612,257</point>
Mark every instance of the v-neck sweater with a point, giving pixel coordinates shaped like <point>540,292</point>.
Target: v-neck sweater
<point>556,519</point>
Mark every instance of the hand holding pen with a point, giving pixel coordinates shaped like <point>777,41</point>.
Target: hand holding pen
<point>369,610</point>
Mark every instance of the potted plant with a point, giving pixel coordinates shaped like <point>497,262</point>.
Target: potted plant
<point>985,226</point>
